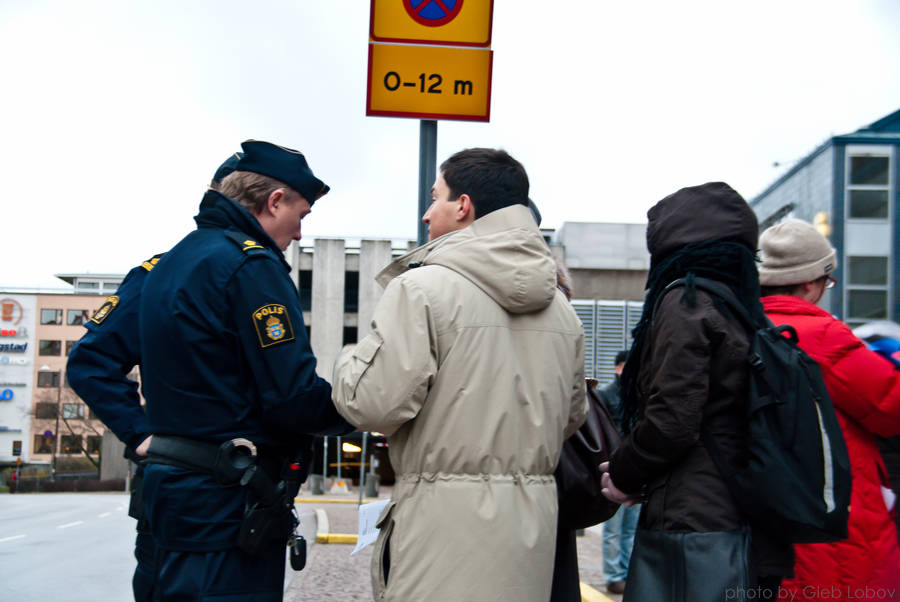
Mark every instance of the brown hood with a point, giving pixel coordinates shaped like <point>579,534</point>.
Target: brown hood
<point>711,211</point>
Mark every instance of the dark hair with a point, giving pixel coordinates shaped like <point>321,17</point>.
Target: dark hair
<point>621,357</point>
<point>491,178</point>
<point>787,290</point>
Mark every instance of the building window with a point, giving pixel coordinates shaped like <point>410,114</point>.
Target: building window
<point>51,316</point>
<point>351,292</point>
<point>305,287</point>
<point>48,379</point>
<point>49,347</point>
<point>44,409</point>
<point>88,286</point>
<point>867,289</point>
<point>350,335</point>
<point>69,345</point>
<point>70,444</point>
<point>73,410</point>
<point>94,443</point>
<point>868,270</point>
<point>43,445</point>
<point>866,305</point>
<point>868,191</point>
<point>869,170</point>
<point>17,448</point>
<point>77,317</point>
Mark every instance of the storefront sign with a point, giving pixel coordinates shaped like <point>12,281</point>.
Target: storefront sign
<point>10,310</point>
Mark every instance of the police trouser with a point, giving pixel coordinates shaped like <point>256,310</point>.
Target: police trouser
<point>144,547</point>
<point>222,576</point>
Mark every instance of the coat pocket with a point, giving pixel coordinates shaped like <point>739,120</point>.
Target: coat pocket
<point>364,352</point>
<point>381,561</point>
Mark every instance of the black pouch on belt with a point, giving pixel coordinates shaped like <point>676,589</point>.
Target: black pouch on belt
<point>262,525</point>
<point>267,516</point>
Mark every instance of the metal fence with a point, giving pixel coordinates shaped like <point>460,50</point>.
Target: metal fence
<point>607,330</point>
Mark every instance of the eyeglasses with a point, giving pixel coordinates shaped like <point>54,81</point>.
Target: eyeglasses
<point>830,282</point>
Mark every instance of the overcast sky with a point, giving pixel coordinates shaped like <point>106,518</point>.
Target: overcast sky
<point>115,113</point>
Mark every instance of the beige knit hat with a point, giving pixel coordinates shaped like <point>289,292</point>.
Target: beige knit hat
<point>794,252</point>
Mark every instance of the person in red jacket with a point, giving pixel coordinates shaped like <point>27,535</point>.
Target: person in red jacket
<point>797,263</point>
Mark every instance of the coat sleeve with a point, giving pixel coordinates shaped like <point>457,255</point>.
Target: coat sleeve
<point>382,382</point>
<point>579,403</point>
<point>677,391</point>
<point>294,399</point>
<point>863,384</point>
<point>100,362</point>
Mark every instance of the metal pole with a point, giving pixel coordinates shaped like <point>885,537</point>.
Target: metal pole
<point>362,467</point>
<point>324,463</point>
<point>340,454</point>
<point>427,171</point>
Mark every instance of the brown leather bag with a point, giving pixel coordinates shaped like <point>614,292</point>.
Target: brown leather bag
<point>581,504</point>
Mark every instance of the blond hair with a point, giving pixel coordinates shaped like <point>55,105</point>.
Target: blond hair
<point>252,190</point>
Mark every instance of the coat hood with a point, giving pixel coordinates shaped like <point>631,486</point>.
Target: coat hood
<point>711,211</point>
<point>503,253</point>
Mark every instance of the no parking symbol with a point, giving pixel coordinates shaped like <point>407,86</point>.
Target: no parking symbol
<point>432,13</point>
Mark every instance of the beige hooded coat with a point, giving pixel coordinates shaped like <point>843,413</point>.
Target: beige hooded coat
<point>474,370</point>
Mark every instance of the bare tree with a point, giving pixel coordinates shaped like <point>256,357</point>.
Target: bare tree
<point>61,406</point>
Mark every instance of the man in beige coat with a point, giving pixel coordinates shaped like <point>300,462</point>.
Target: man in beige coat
<point>474,370</point>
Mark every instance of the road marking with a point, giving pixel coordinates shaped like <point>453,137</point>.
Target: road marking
<point>67,525</point>
<point>12,538</point>
<point>104,515</point>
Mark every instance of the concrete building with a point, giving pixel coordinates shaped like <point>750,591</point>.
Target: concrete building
<point>338,294</point>
<point>848,188</point>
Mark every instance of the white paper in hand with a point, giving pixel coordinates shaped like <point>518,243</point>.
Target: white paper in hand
<point>368,516</point>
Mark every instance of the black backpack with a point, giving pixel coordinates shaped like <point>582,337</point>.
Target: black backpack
<point>795,479</point>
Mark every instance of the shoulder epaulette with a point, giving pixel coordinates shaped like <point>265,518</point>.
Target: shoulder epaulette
<point>246,243</point>
<point>151,263</point>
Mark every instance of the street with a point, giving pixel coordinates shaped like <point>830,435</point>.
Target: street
<point>75,546</point>
<point>66,546</point>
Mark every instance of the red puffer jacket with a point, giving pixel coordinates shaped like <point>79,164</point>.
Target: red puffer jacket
<point>865,390</point>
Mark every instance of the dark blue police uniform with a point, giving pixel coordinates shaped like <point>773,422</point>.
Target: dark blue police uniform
<point>225,355</point>
<point>97,370</point>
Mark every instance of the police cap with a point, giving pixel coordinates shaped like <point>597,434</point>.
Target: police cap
<point>284,164</point>
<point>227,166</point>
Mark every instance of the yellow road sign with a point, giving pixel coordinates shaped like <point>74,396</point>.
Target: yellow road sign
<point>429,82</point>
<point>450,22</point>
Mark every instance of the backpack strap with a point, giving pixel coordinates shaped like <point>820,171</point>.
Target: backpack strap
<point>725,294</point>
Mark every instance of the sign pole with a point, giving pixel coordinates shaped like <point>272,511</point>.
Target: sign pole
<point>427,172</point>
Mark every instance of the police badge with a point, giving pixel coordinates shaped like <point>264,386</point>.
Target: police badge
<point>273,325</point>
<point>105,309</point>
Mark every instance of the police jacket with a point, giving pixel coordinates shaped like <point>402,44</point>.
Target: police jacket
<point>224,348</point>
<point>101,360</point>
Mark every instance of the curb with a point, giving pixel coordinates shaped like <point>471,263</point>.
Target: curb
<point>589,594</point>
<point>322,534</point>
<point>313,500</point>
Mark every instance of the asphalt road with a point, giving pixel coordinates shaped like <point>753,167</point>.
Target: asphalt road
<point>66,546</point>
<point>74,546</point>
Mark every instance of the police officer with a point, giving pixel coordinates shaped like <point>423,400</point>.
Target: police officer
<point>229,377</point>
<point>98,369</point>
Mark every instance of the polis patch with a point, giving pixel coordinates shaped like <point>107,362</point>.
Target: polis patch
<point>273,325</point>
<point>105,309</point>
